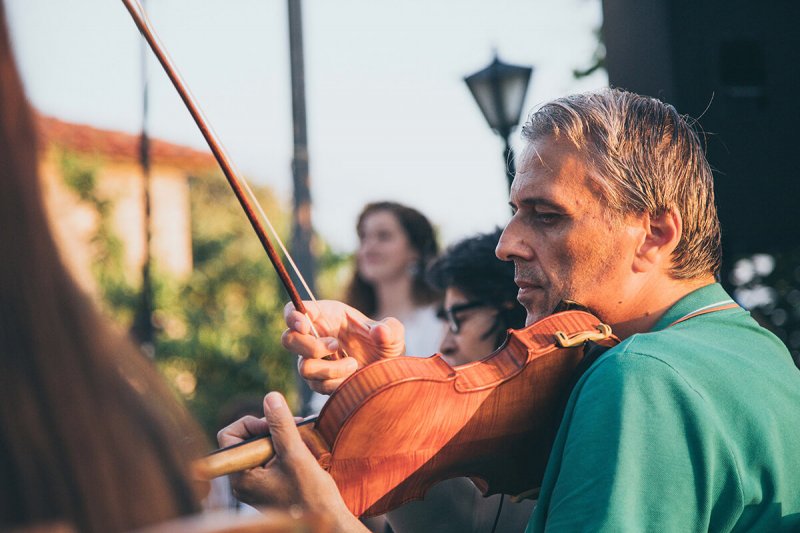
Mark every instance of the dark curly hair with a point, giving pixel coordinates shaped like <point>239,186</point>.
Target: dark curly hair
<point>472,267</point>
<point>361,294</point>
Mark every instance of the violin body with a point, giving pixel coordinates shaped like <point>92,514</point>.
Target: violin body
<point>398,426</point>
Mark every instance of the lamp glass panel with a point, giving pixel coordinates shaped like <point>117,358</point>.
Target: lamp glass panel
<point>499,90</point>
<point>483,92</point>
<point>513,89</point>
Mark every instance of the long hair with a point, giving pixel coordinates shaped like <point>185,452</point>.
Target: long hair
<point>361,294</point>
<point>90,435</point>
<point>646,158</point>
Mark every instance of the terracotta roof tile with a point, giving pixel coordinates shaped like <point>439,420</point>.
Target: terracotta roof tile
<point>118,145</point>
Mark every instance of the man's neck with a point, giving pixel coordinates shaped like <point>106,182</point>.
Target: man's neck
<point>652,302</point>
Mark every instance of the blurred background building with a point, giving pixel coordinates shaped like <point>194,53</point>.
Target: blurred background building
<point>735,66</point>
<point>90,173</point>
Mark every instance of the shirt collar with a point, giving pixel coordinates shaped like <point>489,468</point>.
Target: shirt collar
<point>696,300</point>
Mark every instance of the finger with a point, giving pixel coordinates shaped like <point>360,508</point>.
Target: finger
<point>325,387</point>
<point>316,379</point>
<point>308,346</point>
<point>323,369</point>
<point>289,446</point>
<point>261,486</point>
<point>312,309</point>
<point>288,309</point>
<point>389,335</point>
<point>301,321</point>
<point>244,428</point>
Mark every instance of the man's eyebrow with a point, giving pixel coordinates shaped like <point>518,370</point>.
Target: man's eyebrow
<point>538,201</point>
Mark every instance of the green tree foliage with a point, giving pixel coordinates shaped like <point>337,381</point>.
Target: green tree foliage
<point>107,249</point>
<point>219,331</point>
<point>769,287</point>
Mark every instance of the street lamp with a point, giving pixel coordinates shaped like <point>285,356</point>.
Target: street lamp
<point>500,91</point>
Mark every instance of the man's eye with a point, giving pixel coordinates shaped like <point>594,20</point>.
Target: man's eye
<point>547,218</point>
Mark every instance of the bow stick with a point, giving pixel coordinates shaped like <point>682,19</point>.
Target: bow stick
<point>240,188</point>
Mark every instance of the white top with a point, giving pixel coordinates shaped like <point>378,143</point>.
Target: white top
<point>424,332</point>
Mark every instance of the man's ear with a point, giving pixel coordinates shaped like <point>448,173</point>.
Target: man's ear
<point>662,233</point>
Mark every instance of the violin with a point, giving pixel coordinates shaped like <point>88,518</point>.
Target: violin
<point>400,425</point>
<point>397,426</point>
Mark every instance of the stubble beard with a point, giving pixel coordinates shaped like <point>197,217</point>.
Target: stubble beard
<point>541,306</point>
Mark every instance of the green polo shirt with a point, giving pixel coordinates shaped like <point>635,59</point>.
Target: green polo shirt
<point>690,427</point>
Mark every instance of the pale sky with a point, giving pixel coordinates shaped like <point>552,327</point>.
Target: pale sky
<point>389,116</point>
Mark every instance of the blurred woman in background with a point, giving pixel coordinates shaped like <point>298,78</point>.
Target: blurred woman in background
<point>396,244</point>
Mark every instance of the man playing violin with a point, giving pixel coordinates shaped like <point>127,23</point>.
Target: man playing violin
<point>690,424</point>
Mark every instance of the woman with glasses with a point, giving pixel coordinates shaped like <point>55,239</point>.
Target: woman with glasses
<point>480,299</point>
<point>480,304</point>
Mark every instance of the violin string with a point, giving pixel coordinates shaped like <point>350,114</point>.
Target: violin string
<point>245,185</point>
<point>289,258</point>
<point>286,253</point>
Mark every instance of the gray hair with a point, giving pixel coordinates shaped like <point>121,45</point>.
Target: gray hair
<point>646,158</point>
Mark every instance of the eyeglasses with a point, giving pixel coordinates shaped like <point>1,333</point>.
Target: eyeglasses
<point>450,314</point>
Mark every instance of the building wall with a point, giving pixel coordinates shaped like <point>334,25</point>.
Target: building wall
<point>75,221</point>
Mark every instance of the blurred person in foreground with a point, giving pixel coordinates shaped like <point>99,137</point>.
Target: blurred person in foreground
<point>91,438</point>
<point>691,422</point>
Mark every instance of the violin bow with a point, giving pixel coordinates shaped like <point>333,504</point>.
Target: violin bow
<point>239,186</point>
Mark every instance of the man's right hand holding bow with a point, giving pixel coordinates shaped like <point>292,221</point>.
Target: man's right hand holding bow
<point>353,339</point>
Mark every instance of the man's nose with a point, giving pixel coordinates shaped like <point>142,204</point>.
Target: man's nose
<point>509,244</point>
<point>501,249</point>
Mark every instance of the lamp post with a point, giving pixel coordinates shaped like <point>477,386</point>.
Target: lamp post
<point>302,230</point>
<point>499,90</point>
<point>143,329</point>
